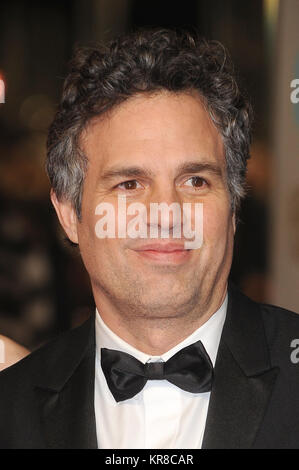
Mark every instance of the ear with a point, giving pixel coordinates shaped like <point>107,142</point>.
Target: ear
<point>234,222</point>
<point>67,217</point>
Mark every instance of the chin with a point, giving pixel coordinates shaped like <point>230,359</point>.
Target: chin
<point>169,305</point>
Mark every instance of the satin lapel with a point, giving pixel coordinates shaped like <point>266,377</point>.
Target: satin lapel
<point>243,381</point>
<point>65,393</point>
<point>237,405</point>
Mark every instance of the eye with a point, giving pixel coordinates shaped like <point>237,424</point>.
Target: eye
<point>196,182</point>
<point>129,185</point>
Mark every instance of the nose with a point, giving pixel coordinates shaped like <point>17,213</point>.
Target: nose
<point>164,211</point>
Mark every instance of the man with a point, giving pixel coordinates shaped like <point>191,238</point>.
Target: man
<point>174,358</point>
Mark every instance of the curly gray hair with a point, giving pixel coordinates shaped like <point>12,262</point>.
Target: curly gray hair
<point>102,77</point>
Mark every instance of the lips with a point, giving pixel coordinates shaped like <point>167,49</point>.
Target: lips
<point>163,252</point>
<point>162,247</point>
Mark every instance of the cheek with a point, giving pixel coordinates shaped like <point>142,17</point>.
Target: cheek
<point>98,232</point>
<point>217,224</point>
<point>90,245</point>
<point>98,255</point>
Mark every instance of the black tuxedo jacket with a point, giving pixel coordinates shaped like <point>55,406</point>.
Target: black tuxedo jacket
<point>47,399</point>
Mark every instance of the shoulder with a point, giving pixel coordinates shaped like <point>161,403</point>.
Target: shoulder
<point>277,317</point>
<point>280,313</point>
<point>272,315</point>
<point>10,352</point>
<point>48,360</point>
<point>281,333</point>
<point>259,323</point>
<point>281,329</point>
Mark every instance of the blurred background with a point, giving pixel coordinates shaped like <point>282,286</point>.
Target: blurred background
<point>44,288</point>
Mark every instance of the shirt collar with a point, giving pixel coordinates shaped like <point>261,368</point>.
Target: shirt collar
<point>209,334</point>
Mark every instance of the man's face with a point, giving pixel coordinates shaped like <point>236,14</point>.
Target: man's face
<point>157,148</point>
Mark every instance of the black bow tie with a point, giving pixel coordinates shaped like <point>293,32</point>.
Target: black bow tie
<point>190,369</point>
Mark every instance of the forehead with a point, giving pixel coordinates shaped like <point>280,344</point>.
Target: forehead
<point>162,129</point>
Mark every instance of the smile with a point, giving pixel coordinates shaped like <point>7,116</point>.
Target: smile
<point>174,253</point>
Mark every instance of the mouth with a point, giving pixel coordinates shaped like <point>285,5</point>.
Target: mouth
<point>173,253</point>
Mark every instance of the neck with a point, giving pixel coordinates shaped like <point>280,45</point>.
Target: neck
<point>156,335</point>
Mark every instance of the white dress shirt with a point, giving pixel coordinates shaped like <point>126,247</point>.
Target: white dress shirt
<point>161,416</point>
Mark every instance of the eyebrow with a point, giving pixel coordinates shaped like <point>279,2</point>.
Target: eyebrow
<point>198,167</point>
<point>137,171</point>
<point>126,172</point>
